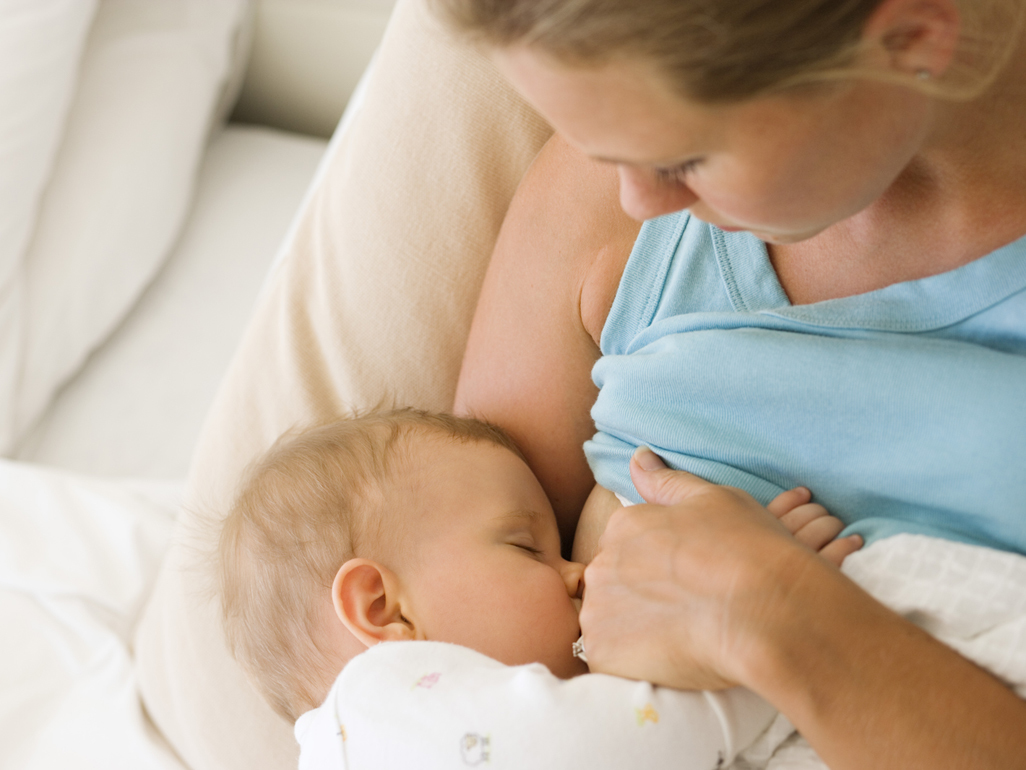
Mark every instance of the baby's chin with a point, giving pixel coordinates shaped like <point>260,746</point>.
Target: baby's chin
<point>570,668</point>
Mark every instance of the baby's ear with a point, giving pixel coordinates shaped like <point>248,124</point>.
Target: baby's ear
<point>366,599</point>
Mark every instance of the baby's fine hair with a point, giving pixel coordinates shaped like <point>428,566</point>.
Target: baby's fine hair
<point>309,504</point>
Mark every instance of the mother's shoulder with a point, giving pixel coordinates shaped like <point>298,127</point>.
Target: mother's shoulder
<point>577,205</point>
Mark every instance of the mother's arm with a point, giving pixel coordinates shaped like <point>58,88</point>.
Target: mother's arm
<point>738,601</point>
<point>551,281</point>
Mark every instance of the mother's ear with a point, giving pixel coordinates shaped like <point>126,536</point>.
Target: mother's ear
<point>366,599</point>
<point>920,37</point>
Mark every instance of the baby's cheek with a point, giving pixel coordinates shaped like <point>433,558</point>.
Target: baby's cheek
<point>564,664</point>
<point>563,630</point>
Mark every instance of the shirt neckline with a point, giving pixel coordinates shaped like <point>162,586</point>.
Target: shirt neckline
<point>924,304</point>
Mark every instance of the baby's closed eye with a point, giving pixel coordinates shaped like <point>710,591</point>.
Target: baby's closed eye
<point>531,549</point>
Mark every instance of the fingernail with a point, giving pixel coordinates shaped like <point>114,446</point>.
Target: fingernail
<point>648,460</point>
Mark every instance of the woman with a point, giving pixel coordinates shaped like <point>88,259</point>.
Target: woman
<point>868,145</point>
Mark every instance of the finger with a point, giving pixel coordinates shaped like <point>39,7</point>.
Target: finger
<point>647,460</point>
<point>789,500</point>
<point>818,533</point>
<point>658,484</point>
<point>803,515</point>
<point>837,551</point>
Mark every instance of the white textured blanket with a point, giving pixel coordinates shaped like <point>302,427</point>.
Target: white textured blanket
<point>972,599</point>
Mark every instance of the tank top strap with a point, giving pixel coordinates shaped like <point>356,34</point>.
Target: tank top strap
<point>680,265</point>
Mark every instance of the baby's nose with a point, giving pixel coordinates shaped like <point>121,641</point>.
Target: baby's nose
<point>573,577</point>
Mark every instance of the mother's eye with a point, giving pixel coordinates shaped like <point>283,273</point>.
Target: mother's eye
<point>676,175</point>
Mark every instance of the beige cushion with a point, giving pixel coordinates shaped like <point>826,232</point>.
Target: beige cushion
<point>374,297</point>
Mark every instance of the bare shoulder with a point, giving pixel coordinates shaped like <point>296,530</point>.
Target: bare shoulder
<point>549,286</point>
<point>565,223</point>
<point>583,202</point>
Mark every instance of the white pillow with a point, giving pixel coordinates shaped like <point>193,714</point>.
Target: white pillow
<point>152,75</point>
<point>41,43</point>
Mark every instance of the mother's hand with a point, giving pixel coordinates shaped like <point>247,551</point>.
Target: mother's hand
<point>680,590</point>
<point>706,588</point>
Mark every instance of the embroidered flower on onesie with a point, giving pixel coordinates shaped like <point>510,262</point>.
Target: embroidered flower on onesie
<point>427,681</point>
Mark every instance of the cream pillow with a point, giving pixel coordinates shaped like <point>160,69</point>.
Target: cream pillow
<point>152,75</point>
<point>374,296</point>
<point>41,43</point>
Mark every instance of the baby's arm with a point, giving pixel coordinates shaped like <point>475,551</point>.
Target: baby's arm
<point>434,705</point>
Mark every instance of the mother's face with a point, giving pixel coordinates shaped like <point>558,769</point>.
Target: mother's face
<point>783,167</point>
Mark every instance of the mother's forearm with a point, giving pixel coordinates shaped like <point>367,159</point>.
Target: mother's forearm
<point>870,690</point>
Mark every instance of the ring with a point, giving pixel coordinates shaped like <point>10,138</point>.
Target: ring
<point>578,649</point>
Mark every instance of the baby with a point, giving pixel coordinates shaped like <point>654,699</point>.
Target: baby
<point>407,526</point>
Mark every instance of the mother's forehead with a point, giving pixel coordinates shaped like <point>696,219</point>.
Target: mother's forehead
<point>624,112</point>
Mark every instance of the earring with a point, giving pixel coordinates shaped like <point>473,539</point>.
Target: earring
<point>924,74</point>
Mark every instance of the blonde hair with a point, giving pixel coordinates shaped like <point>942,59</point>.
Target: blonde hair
<point>717,51</point>
<point>312,502</point>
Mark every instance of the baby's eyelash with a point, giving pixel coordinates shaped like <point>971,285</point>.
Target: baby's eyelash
<point>529,548</point>
<point>677,175</point>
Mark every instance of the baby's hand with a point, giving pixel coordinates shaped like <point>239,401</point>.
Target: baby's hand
<point>813,526</point>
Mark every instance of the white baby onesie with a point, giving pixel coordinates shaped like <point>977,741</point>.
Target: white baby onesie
<point>429,705</point>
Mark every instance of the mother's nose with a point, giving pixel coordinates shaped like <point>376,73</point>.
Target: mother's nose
<point>643,196</point>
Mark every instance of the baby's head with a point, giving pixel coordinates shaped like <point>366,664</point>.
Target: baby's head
<point>398,525</point>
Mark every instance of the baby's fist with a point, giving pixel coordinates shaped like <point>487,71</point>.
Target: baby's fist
<point>813,526</point>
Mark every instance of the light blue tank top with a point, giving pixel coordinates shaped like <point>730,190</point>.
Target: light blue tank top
<point>903,409</point>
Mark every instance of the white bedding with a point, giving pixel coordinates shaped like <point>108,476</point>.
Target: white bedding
<point>78,554</point>
<point>137,406</point>
<point>118,186</point>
